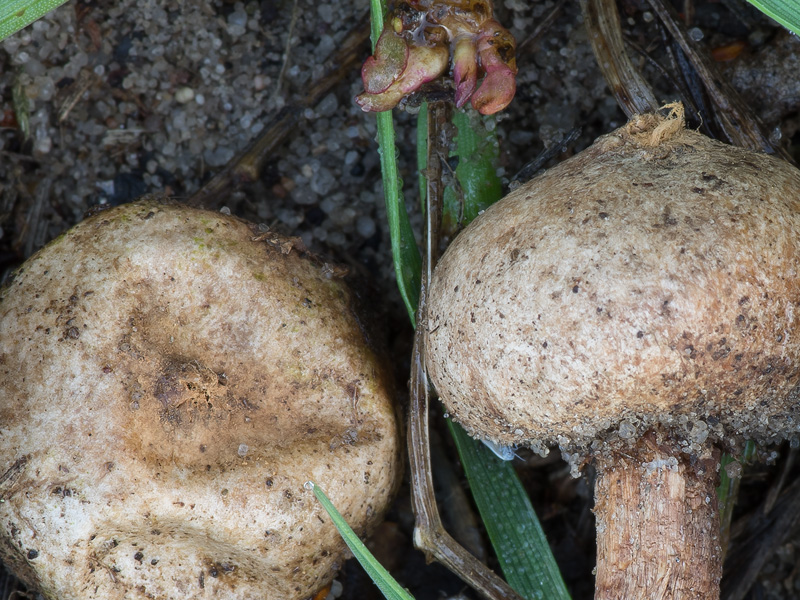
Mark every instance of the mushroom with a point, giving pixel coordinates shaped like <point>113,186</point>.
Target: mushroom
<point>170,378</point>
<point>637,305</point>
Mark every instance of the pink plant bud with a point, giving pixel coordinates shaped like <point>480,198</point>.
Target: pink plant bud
<point>465,69</point>
<point>415,45</point>
<point>424,64</point>
<point>385,67</point>
<point>496,54</point>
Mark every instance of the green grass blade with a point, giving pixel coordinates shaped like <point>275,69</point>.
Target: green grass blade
<point>385,582</point>
<point>377,9</point>
<point>16,14</point>
<point>785,12</point>
<point>477,151</point>
<point>514,530</point>
<point>405,253</point>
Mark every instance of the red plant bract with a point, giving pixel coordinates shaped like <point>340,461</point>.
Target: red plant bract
<point>415,48</point>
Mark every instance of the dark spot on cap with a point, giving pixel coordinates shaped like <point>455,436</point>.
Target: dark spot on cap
<point>32,554</point>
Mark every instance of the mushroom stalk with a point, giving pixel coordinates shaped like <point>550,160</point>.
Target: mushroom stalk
<point>657,524</point>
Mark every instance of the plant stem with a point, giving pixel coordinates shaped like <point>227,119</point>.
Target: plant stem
<point>657,524</point>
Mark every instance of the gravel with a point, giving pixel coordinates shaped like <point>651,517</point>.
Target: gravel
<point>132,97</point>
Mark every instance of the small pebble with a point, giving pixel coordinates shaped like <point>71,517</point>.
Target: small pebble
<point>259,82</point>
<point>184,95</point>
<point>696,34</point>
<point>365,226</point>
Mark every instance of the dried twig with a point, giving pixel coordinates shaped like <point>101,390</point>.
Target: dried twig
<point>86,78</point>
<point>541,28</point>
<point>777,488</point>
<point>632,91</point>
<point>457,512</point>
<point>738,123</point>
<point>532,167</point>
<point>429,533</point>
<point>689,101</point>
<point>286,51</point>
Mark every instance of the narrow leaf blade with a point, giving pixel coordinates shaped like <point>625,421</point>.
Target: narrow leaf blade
<point>478,152</point>
<point>380,576</point>
<point>16,14</point>
<point>785,12</point>
<point>405,253</point>
<point>514,530</point>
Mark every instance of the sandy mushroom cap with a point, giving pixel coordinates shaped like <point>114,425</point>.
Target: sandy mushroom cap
<point>169,380</point>
<point>653,278</point>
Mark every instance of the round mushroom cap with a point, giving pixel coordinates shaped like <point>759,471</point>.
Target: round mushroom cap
<point>651,280</point>
<point>169,381</point>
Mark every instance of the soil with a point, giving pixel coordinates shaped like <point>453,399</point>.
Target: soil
<point>103,101</point>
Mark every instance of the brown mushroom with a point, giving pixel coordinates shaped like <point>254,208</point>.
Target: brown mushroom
<point>637,305</point>
<point>169,381</point>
